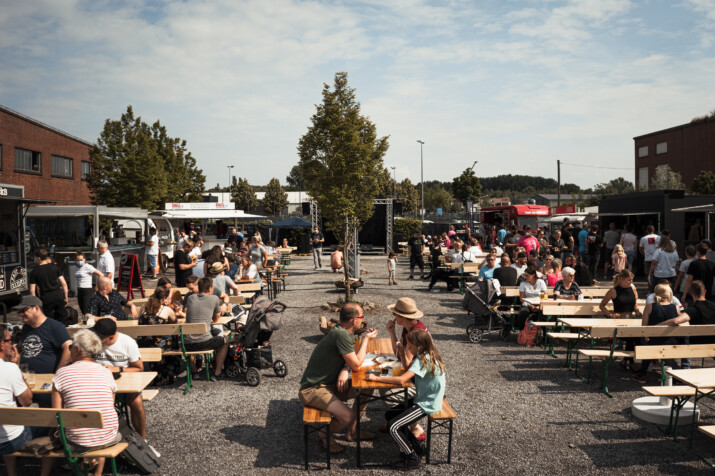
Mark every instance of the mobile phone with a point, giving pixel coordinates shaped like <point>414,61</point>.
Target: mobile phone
<point>373,372</point>
<point>46,386</point>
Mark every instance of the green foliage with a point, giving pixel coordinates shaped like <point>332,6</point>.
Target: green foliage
<point>243,196</point>
<point>437,197</point>
<point>466,186</point>
<point>275,199</point>
<point>407,226</point>
<point>294,179</point>
<point>667,179</point>
<point>341,160</point>
<point>409,195</point>
<point>704,183</point>
<point>137,165</point>
<point>386,186</point>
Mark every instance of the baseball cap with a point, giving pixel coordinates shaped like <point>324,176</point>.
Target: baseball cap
<point>27,301</point>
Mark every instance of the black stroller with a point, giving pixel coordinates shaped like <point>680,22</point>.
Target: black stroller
<point>251,349</point>
<point>482,301</point>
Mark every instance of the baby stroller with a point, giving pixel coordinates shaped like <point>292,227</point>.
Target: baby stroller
<point>482,301</point>
<point>251,349</point>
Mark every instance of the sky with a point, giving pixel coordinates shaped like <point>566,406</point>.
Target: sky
<point>514,85</point>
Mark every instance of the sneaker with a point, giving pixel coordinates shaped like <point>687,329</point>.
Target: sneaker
<point>410,277</point>
<point>407,462</point>
<point>434,291</point>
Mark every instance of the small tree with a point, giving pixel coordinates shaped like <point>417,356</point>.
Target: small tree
<point>341,159</point>
<point>466,187</point>
<point>275,199</point>
<point>243,196</point>
<point>667,179</point>
<point>704,183</point>
<point>407,192</point>
<point>437,197</point>
<point>295,178</point>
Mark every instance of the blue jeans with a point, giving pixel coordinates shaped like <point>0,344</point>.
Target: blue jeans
<point>630,256</point>
<point>15,445</point>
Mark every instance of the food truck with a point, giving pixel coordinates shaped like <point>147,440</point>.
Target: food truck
<point>13,243</point>
<point>518,215</point>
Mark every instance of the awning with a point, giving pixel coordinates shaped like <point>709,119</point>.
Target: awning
<point>201,214</point>
<point>560,218</point>
<point>87,210</point>
<point>625,214</point>
<point>697,208</point>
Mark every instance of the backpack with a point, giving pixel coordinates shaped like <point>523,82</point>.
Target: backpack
<point>527,336</point>
<point>139,455</point>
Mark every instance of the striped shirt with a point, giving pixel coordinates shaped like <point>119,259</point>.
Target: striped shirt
<point>89,386</point>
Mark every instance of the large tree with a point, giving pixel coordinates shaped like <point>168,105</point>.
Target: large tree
<point>275,198</point>
<point>295,178</point>
<point>341,160</point>
<point>407,192</point>
<point>466,187</point>
<point>437,197</point>
<point>243,196</point>
<point>137,165</point>
<point>704,183</point>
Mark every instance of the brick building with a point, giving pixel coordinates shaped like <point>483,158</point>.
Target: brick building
<point>49,163</point>
<point>687,149</point>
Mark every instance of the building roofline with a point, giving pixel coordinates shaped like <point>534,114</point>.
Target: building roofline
<point>43,125</point>
<point>674,128</point>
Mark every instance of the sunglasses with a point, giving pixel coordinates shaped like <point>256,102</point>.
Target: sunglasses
<point>359,317</point>
<point>7,340</point>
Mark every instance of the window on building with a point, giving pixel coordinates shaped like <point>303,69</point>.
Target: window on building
<point>28,161</point>
<point>62,166</point>
<point>661,148</point>
<point>643,178</point>
<point>86,169</point>
<point>643,151</point>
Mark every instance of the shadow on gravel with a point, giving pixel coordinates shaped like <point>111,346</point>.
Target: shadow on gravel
<point>312,339</point>
<point>276,441</point>
<point>642,453</point>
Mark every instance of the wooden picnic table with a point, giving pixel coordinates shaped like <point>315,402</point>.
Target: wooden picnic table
<point>367,391</point>
<point>128,382</point>
<point>248,286</point>
<point>590,291</point>
<point>223,320</point>
<point>589,323</point>
<point>567,303</point>
<point>703,380</point>
<point>120,324</point>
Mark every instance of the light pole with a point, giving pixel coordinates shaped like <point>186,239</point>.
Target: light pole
<point>422,180</point>
<point>229,181</point>
<point>394,184</point>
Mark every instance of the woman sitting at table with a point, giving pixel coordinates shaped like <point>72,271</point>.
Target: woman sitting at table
<point>567,287</point>
<point>86,385</point>
<point>427,368</point>
<point>624,296</point>
<point>554,275</point>
<point>530,291</point>
<point>159,310</point>
<point>258,253</point>
<point>248,272</point>
<point>216,256</point>
<point>661,313</point>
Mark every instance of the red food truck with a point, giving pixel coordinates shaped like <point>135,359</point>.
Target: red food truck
<point>518,215</point>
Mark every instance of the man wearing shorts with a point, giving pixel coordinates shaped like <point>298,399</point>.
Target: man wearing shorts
<point>417,249</point>
<point>204,307</point>
<point>325,384</point>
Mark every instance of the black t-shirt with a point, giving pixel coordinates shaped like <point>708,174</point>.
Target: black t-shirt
<point>316,236</point>
<point>701,312</point>
<point>702,269</point>
<point>566,236</point>
<point>582,276</point>
<point>416,244</point>
<point>660,313</point>
<point>181,258</point>
<point>46,277</point>
<point>593,242</point>
<point>506,275</point>
<point>42,346</point>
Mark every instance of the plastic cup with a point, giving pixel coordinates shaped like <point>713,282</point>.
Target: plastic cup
<point>30,379</point>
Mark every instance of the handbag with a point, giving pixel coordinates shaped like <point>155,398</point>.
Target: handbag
<point>527,336</point>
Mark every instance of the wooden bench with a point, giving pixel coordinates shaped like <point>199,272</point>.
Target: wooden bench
<point>314,421</point>
<point>148,395</point>
<point>53,418</point>
<point>663,352</point>
<point>445,420</point>
<point>587,291</point>
<point>607,356</point>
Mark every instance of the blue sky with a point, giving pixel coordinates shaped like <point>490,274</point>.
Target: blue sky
<point>515,85</point>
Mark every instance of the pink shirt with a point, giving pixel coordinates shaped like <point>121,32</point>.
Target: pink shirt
<point>628,241</point>
<point>528,242</point>
<point>89,386</point>
<point>554,278</point>
<point>619,262</point>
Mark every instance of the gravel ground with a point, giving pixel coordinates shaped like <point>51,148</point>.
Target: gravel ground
<point>519,411</point>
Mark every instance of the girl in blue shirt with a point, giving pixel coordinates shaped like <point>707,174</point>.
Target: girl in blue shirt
<point>427,369</point>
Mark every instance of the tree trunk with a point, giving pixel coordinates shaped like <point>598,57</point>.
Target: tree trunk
<point>346,261</point>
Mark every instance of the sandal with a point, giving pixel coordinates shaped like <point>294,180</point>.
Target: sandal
<point>334,446</point>
<point>364,436</point>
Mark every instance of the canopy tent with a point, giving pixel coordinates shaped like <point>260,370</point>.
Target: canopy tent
<point>209,214</point>
<point>292,222</point>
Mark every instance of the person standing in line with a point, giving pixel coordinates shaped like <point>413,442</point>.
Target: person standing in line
<point>664,262</point>
<point>628,241</point>
<point>610,240</point>
<point>184,262</point>
<point>46,280</point>
<point>683,269</point>
<point>105,263</point>
<point>593,249</point>
<point>152,253</point>
<point>701,269</point>
<point>317,239</point>
<point>582,237</point>
<point>84,275</point>
<point>696,232</point>
<point>647,246</point>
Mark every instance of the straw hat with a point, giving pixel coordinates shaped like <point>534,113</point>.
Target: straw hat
<point>406,308</point>
<point>217,268</point>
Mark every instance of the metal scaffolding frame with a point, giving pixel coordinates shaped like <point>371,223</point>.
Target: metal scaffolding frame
<point>352,253</point>
<point>388,221</point>
<point>314,214</point>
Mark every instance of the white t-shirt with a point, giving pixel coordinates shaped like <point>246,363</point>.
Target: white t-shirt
<point>11,386</point>
<point>649,244</point>
<point>84,275</point>
<point>106,263</point>
<point>251,272</point>
<point>684,269</point>
<point>123,352</point>
<point>532,291</point>
<point>519,269</point>
<point>666,263</point>
<point>154,249</point>
<point>475,250</point>
<point>196,251</point>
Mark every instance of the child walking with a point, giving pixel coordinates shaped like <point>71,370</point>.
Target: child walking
<point>427,369</point>
<point>391,267</point>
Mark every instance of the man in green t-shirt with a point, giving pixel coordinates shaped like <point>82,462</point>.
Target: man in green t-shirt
<point>325,384</point>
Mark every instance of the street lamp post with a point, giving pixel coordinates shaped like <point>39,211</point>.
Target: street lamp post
<point>422,180</point>
<point>394,184</point>
<point>229,180</point>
